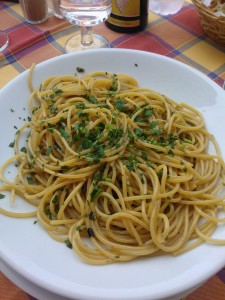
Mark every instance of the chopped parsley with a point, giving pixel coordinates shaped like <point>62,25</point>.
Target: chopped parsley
<point>68,244</point>
<point>92,99</point>
<point>95,192</point>
<point>57,91</point>
<point>119,104</point>
<point>64,134</point>
<point>23,149</point>
<point>80,70</point>
<point>12,144</point>
<point>30,180</point>
<point>78,228</point>
<point>48,151</point>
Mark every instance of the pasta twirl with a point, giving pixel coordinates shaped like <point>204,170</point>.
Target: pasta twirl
<point>118,171</point>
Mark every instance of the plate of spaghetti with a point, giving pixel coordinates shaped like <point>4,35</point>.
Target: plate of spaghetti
<point>112,177</point>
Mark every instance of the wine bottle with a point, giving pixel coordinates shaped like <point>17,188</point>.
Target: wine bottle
<point>128,16</point>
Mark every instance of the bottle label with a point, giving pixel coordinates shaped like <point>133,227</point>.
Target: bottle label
<point>126,8</point>
<point>125,13</point>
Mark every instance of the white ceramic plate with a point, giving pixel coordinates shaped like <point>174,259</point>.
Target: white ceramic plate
<point>49,270</point>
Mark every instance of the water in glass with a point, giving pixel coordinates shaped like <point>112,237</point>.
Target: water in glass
<point>86,12</point>
<point>165,7</point>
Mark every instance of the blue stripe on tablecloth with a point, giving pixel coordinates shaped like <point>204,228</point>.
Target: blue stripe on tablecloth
<point>13,28</point>
<point>160,40</point>
<point>221,275</point>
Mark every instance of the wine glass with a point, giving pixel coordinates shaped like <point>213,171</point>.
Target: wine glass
<point>86,14</point>
<point>4,40</point>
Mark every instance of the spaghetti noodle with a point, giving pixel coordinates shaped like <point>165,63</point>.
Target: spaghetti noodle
<point>117,171</point>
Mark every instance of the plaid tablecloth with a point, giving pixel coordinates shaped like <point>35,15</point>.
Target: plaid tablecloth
<point>179,36</point>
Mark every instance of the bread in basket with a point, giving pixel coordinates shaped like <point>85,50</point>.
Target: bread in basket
<point>212,18</point>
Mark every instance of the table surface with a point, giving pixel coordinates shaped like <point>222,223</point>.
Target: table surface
<point>179,36</point>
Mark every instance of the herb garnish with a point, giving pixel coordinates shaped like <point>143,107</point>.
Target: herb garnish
<point>12,144</point>
<point>68,244</point>
<point>119,104</point>
<point>95,192</point>
<point>80,70</point>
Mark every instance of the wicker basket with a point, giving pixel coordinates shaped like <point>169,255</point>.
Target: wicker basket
<point>214,26</point>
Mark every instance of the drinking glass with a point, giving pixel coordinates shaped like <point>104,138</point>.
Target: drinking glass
<point>165,7</point>
<point>4,40</point>
<point>86,14</point>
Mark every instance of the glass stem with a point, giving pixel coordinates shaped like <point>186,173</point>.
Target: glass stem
<point>87,36</point>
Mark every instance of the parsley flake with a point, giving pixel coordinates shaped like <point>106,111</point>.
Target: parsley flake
<point>80,70</point>
<point>68,244</point>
